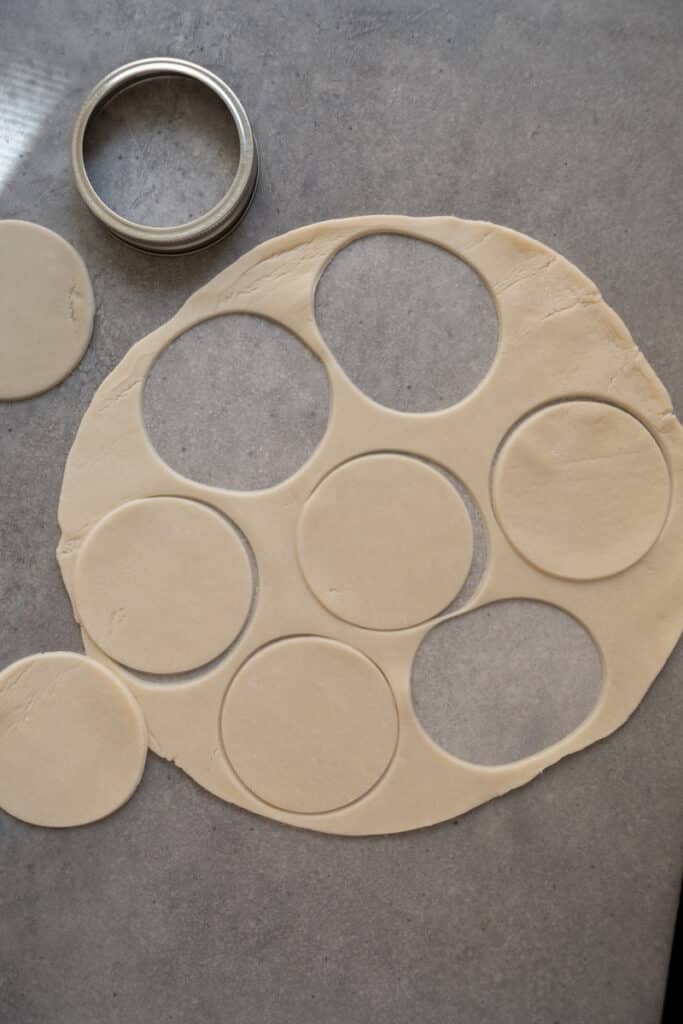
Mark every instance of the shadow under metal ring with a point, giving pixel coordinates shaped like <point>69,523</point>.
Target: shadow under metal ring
<point>216,222</point>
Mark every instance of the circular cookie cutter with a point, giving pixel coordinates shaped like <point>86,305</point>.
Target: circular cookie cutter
<point>210,226</point>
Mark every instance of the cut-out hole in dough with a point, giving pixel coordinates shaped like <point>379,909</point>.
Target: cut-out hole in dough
<point>163,585</point>
<point>309,724</point>
<point>581,489</point>
<point>236,402</point>
<point>162,152</point>
<point>385,541</point>
<point>413,326</point>
<point>505,681</point>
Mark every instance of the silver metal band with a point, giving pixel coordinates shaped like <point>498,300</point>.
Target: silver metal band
<point>210,226</point>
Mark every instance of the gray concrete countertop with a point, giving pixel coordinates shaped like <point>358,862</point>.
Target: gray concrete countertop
<point>553,905</point>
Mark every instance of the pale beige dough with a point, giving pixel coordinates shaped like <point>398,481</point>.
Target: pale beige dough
<point>46,309</point>
<point>73,741</point>
<point>309,725</point>
<point>163,585</point>
<point>385,542</point>
<point>559,343</point>
<point>581,489</point>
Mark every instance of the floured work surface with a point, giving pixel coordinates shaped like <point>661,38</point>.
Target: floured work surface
<point>352,572</point>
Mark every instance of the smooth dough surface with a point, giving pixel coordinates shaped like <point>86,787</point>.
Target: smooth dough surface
<point>163,585</point>
<point>73,741</point>
<point>46,309</point>
<point>570,428</point>
<point>581,489</point>
<point>309,725</point>
<point>385,542</point>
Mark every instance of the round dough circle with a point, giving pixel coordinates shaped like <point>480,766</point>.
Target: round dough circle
<point>163,584</point>
<point>309,725</point>
<point>73,741</point>
<point>385,541</point>
<point>46,309</point>
<point>581,489</point>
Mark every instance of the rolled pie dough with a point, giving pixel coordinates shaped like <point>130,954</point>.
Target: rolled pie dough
<point>569,448</point>
<point>46,309</point>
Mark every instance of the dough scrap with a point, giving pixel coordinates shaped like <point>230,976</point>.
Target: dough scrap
<point>47,309</point>
<point>559,342</point>
<point>73,741</point>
